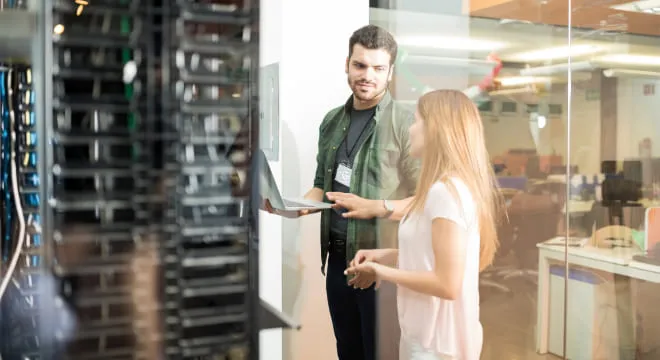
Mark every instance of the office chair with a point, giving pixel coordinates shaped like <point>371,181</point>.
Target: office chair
<point>536,217</point>
<point>533,217</point>
<point>491,278</point>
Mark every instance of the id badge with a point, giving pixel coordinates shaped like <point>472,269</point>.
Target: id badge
<point>343,175</point>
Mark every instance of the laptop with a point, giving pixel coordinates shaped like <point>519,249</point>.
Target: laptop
<point>270,191</point>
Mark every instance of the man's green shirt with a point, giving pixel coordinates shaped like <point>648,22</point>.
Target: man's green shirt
<point>382,169</point>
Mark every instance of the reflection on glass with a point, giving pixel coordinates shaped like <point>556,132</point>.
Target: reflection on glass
<point>526,122</point>
<point>572,133</point>
<point>612,136</point>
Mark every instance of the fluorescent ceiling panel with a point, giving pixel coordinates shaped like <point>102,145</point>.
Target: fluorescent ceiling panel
<point>450,43</point>
<point>561,52</point>
<point>522,80</point>
<point>630,73</point>
<point>630,59</point>
<point>642,6</point>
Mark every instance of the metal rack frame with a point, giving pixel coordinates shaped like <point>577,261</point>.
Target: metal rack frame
<point>161,219</point>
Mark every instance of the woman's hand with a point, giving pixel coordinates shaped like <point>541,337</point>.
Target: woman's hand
<point>365,274</point>
<point>363,280</point>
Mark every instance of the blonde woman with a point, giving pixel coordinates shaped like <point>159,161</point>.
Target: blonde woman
<point>447,236</point>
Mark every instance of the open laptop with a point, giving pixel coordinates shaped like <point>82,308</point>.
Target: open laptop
<point>270,191</point>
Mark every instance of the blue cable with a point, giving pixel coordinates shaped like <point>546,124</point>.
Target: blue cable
<point>6,156</point>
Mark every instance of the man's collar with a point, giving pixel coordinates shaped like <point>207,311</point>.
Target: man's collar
<point>384,102</point>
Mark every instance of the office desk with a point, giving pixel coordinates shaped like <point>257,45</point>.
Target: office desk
<point>616,261</point>
<point>584,206</point>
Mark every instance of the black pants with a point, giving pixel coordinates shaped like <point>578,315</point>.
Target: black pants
<point>353,312</point>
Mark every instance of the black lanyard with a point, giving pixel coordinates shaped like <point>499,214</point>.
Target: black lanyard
<point>357,140</point>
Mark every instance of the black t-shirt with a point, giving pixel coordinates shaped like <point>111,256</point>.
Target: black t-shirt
<point>357,134</point>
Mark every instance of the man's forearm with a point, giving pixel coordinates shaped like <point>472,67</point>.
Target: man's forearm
<point>314,194</point>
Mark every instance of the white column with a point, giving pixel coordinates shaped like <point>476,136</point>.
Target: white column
<point>309,39</point>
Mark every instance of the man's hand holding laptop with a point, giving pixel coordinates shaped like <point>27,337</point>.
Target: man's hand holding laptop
<point>315,194</point>
<point>292,214</point>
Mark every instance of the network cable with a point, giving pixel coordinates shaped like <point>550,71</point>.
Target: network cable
<point>6,156</point>
<point>14,179</point>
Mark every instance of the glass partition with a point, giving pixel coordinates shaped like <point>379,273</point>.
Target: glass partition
<point>525,114</point>
<point>570,130</point>
<point>613,190</point>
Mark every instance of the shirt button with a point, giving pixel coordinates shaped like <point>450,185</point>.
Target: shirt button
<point>334,148</point>
<point>329,170</point>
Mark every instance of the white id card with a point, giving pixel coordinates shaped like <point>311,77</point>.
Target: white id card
<point>343,175</point>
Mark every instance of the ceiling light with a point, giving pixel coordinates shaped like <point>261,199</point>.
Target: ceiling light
<point>561,52</point>
<point>513,91</point>
<point>629,59</point>
<point>541,121</point>
<point>522,80</point>
<point>439,60</point>
<point>630,73</point>
<point>558,68</point>
<point>450,43</point>
<point>638,6</point>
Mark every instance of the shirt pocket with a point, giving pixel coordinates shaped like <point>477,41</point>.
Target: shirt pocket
<point>383,169</point>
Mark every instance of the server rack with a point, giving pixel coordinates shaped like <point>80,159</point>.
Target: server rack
<point>209,49</point>
<point>144,245</point>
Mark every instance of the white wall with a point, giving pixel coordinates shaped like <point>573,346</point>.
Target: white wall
<point>637,116</point>
<point>310,40</point>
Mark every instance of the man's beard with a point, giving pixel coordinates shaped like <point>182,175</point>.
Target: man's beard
<point>364,97</point>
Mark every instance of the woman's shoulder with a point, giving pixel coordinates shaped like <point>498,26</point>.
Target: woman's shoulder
<point>450,186</point>
<point>453,192</point>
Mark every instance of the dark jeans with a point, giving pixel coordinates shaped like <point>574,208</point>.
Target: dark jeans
<point>353,312</point>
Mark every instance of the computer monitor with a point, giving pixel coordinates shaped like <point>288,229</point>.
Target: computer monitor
<point>608,167</point>
<point>655,170</point>
<point>632,171</point>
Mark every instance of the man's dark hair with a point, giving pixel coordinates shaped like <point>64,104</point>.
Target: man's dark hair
<point>373,37</point>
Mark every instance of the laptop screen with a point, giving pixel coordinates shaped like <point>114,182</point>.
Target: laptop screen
<point>267,185</point>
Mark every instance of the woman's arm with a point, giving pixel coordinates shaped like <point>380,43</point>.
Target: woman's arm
<point>387,257</point>
<point>446,280</point>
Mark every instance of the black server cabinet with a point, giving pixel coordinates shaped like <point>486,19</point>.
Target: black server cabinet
<point>146,127</point>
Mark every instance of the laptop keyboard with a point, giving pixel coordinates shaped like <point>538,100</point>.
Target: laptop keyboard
<point>289,203</point>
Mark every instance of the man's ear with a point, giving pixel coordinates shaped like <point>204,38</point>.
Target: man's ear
<point>346,65</point>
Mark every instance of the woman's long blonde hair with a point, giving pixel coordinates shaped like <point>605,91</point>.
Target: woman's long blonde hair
<point>454,145</point>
